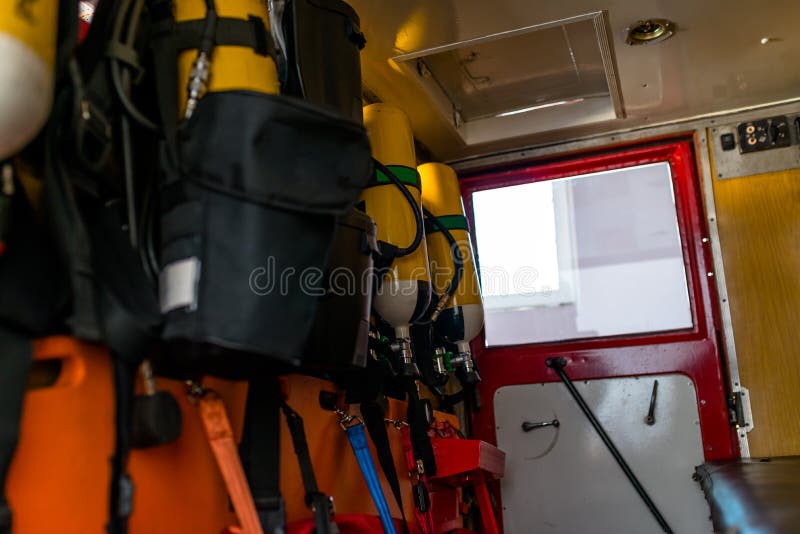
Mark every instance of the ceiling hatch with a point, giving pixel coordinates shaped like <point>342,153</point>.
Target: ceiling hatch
<point>533,79</point>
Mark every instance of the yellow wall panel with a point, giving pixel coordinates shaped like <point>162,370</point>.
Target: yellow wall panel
<point>759,225</point>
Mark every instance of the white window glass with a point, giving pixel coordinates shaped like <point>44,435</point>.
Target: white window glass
<point>581,257</point>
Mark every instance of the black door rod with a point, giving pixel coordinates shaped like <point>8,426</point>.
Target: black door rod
<point>557,365</point>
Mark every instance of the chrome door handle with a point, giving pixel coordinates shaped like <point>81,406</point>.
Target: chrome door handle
<point>527,426</point>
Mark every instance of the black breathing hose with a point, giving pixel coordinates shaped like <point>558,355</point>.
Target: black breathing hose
<point>120,78</point>
<point>455,251</point>
<point>209,28</point>
<point>414,206</point>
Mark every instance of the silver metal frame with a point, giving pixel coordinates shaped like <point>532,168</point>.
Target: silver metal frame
<point>700,128</point>
<point>413,64</point>
<point>594,15</point>
<point>603,30</point>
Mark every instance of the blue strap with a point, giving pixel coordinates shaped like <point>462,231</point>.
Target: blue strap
<point>358,440</point>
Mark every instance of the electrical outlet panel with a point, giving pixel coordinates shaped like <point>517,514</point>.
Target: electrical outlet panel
<point>764,134</point>
<point>755,147</point>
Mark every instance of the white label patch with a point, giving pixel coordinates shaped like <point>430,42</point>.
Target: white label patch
<point>178,285</point>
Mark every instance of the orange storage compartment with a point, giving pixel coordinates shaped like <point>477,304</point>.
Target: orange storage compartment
<point>59,478</point>
<point>178,487</point>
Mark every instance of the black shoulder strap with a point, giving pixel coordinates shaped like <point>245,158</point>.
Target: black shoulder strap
<point>260,451</point>
<point>315,499</point>
<point>373,415</point>
<point>31,298</point>
<point>15,359</point>
<point>250,33</point>
<point>112,298</point>
<point>165,65</point>
<point>129,319</point>
<point>419,421</point>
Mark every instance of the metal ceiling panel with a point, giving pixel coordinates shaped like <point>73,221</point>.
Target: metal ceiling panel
<point>714,62</point>
<point>490,84</point>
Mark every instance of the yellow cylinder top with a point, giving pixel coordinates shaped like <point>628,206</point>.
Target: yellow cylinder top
<point>32,23</point>
<point>390,135</point>
<point>392,143</point>
<point>232,67</point>
<point>441,193</point>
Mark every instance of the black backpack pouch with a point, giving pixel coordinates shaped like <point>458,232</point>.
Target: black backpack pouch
<point>249,201</point>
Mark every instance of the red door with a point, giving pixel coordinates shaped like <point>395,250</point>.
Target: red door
<point>692,349</point>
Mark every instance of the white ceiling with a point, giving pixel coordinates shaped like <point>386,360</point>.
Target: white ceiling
<point>715,62</point>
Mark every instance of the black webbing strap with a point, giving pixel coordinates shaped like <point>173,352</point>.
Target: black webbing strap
<point>15,359</point>
<point>319,503</point>
<point>250,33</point>
<point>121,487</point>
<point>129,320</point>
<point>422,340</point>
<point>419,423</point>
<point>373,415</point>
<point>32,299</point>
<point>165,66</point>
<point>260,451</point>
<point>113,299</point>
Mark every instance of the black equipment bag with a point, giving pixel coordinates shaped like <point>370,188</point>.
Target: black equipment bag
<point>323,66</point>
<point>249,202</point>
<point>340,334</point>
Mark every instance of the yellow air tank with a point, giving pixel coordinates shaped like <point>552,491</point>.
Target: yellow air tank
<point>232,67</point>
<point>460,319</point>
<point>28,33</point>
<point>405,291</point>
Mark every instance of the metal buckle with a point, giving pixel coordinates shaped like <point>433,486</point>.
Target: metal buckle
<point>125,506</point>
<point>316,499</point>
<point>271,514</point>
<point>396,423</point>
<point>92,136</point>
<point>346,421</point>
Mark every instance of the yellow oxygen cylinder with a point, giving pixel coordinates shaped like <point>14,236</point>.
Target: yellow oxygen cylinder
<point>232,67</point>
<point>28,33</point>
<point>460,319</point>
<point>405,291</point>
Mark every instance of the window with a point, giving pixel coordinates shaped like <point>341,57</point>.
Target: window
<point>532,267</point>
<point>581,257</point>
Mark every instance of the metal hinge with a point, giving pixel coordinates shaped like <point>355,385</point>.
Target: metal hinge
<point>741,415</point>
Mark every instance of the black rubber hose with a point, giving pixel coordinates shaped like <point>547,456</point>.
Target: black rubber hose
<point>119,79</point>
<point>209,29</point>
<point>455,251</point>
<point>414,207</point>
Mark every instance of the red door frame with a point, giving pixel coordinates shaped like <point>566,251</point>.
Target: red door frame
<point>693,352</point>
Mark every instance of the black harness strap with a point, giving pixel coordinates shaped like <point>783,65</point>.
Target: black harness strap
<point>165,64</point>
<point>419,421</point>
<point>15,358</point>
<point>260,451</point>
<point>32,297</point>
<point>129,320</point>
<point>319,503</point>
<point>373,415</point>
<point>250,33</point>
<point>113,300</point>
